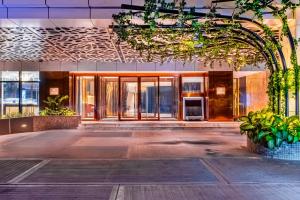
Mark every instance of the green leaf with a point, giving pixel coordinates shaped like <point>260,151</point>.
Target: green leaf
<point>296,139</point>
<point>247,127</point>
<point>278,142</point>
<point>244,119</point>
<point>271,144</point>
<point>262,134</point>
<point>284,134</point>
<point>290,138</point>
<point>268,138</point>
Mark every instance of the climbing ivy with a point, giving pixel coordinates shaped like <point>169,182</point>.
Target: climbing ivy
<point>162,30</point>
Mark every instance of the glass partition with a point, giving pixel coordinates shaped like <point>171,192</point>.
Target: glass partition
<point>129,98</point>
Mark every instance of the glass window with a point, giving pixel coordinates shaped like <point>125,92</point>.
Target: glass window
<point>9,76</point>
<point>193,84</point>
<point>30,76</point>
<point>30,93</point>
<point>9,97</point>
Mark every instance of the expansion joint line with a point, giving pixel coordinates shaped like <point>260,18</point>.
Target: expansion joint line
<point>216,172</point>
<point>28,172</point>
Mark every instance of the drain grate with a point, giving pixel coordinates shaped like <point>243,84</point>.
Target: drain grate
<point>122,171</point>
<point>55,192</point>
<point>10,169</point>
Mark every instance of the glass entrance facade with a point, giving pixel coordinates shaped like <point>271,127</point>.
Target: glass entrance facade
<point>136,96</point>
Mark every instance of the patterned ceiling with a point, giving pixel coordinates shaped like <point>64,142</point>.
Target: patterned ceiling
<point>66,44</point>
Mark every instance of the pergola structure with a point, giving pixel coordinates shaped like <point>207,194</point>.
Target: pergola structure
<point>251,30</point>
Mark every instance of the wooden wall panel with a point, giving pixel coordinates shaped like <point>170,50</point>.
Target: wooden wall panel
<point>220,106</point>
<point>53,80</point>
<point>256,89</point>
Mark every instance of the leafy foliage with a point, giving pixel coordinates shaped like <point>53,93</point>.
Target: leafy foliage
<point>172,29</point>
<point>55,106</point>
<point>269,129</point>
<point>18,115</point>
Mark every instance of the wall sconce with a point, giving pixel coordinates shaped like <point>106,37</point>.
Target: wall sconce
<point>220,91</point>
<point>54,91</point>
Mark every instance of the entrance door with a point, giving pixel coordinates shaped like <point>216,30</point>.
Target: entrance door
<point>129,100</point>
<point>85,97</point>
<point>149,98</point>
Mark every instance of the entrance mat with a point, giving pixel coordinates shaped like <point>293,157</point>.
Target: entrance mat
<point>10,169</point>
<point>210,192</point>
<point>121,171</point>
<point>259,170</point>
<point>55,192</point>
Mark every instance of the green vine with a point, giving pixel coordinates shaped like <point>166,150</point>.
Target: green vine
<point>163,30</point>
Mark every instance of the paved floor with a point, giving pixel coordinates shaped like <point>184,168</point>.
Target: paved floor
<point>206,164</point>
<point>126,144</point>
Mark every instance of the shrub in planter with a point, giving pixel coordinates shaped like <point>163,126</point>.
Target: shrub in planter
<point>55,107</point>
<point>269,129</point>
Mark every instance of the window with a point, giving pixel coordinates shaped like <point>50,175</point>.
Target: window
<point>9,76</point>
<point>192,84</point>
<point>30,76</point>
<point>19,92</point>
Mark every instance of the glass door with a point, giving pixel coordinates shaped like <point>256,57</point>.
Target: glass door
<point>168,97</point>
<point>149,98</point>
<point>129,101</point>
<point>111,88</point>
<point>85,96</point>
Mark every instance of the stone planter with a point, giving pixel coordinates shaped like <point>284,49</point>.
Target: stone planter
<point>41,123</point>
<point>285,152</point>
<point>38,123</point>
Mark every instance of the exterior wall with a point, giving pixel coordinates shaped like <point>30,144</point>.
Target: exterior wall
<point>49,80</point>
<point>220,104</point>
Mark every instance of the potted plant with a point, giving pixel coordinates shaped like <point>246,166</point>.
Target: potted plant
<point>56,115</point>
<point>270,134</point>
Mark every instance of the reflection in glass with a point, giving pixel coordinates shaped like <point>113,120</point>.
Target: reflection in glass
<point>129,97</point>
<point>9,75</point>
<point>85,98</point>
<point>193,84</point>
<point>9,97</point>
<point>167,97</point>
<point>111,97</point>
<point>149,97</point>
<point>30,97</point>
<point>30,93</point>
<point>30,76</point>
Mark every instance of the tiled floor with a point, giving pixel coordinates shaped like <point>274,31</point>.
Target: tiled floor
<point>116,164</point>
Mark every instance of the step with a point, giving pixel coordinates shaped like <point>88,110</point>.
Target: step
<point>159,125</point>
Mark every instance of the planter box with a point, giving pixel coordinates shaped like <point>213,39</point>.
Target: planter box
<point>4,126</point>
<point>285,152</point>
<point>38,123</point>
<point>41,123</point>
